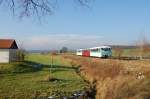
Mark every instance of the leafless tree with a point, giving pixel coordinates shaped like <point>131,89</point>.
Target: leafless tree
<point>143,45</point>
<point>119,52</point>
<point>21,53</point>
<point>52,55</point>
<point>35,7</point>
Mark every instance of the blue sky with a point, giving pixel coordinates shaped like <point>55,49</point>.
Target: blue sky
<point>104,22</point>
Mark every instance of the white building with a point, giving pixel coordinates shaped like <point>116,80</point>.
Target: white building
<point>8,48</point>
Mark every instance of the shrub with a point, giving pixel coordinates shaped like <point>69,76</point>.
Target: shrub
<point>17,67</point>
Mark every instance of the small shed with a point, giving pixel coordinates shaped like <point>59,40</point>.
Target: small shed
<point>8,50</point>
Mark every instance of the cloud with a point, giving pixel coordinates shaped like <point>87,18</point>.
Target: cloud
<point>56,41</point>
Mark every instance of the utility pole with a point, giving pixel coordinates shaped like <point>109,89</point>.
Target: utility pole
<point>51,65</point>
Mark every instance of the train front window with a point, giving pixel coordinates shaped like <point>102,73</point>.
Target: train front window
<point>105,49</point>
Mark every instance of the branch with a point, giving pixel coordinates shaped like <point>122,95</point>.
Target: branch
<point>84,2</point>
<point>36,7</point>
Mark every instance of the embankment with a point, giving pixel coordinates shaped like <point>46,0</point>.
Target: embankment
<point>114,79</point>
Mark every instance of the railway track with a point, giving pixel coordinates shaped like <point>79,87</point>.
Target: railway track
<point>130,58</point>
<point>121,58</point>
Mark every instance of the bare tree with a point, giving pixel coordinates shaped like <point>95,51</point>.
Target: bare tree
<point>143,45</point>
<point>35,7</point>
<point>21,55</point>
<point>52,55</point>
<point>64,50</point>
<point>119,52</point>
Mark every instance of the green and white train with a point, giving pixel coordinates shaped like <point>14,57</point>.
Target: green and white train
<point>102,52</point>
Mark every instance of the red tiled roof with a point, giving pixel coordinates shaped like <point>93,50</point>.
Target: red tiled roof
<point>8,44</point>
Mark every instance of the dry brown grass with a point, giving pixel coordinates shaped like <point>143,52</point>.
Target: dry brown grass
<point>121,87</point>
<point>116,79</point>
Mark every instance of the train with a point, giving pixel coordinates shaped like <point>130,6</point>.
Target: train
<point>101,52</point>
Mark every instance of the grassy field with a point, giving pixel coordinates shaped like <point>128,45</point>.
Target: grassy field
<point>28,79</point>
<point>110,78</point>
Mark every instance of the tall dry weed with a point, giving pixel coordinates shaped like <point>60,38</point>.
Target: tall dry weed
<point>116,79</point>
<point>123,88</point>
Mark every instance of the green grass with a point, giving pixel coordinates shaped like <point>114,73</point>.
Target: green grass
<point>24,81</point>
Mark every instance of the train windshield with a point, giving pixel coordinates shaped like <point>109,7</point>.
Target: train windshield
<point>106,49</point>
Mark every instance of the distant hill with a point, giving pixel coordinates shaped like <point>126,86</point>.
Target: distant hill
<point>73,50</point>
<point>124,46</point>
<point>38,51</point>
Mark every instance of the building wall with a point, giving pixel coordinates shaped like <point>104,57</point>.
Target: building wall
<point>12,55</point>
<point>4,56</point>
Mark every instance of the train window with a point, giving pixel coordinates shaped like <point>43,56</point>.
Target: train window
<point>106,49</point>
<point>79,51</point>
<point>94,50</point>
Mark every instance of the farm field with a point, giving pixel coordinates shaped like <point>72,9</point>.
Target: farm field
<point>23,80</point>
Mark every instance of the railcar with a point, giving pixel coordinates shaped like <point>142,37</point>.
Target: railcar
<point>79,52</point>
<point>102,51</point>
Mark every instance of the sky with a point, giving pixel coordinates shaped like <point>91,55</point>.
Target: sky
<point>104,22</point>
